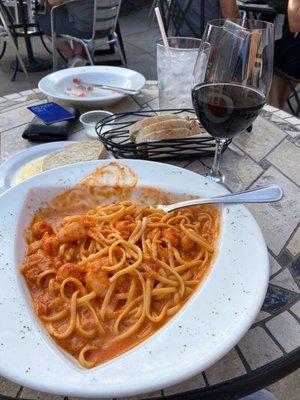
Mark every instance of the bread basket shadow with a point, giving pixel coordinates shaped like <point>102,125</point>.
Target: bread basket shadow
<point>114,133</point>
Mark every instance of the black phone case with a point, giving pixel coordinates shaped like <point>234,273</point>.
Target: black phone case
<point>37,131</point>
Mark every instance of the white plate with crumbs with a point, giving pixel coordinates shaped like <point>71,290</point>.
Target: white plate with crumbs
<point>60,86</point>
<point>209,324</point>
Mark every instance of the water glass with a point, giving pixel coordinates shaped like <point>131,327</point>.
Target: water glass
<point>175,71</point>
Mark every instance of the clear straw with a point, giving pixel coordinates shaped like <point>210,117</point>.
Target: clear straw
<point>162,30</point>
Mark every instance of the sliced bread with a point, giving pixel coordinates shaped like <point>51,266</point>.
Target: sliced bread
<point>146,122</point>
<point>76,152</point>
<point>170,129</point>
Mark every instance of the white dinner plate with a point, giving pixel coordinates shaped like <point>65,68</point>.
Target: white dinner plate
<point>9,168</point>
<point>55,84</point>
<point>207,327</point>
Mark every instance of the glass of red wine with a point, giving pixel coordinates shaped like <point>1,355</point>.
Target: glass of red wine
<point>232,78</point>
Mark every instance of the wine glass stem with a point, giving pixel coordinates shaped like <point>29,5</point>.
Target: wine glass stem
<point>215,172</point>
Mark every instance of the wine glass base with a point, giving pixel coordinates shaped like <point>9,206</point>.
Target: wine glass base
<point>231,181</point>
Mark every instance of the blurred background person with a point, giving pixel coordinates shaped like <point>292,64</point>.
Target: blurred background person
<point>286,53</point>
<point>75,19</point>
<point>199,12</point>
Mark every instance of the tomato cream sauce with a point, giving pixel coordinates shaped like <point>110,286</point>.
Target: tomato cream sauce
<point>106,185</point>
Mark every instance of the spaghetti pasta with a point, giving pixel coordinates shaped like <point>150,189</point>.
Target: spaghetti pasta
<point>106,279</point>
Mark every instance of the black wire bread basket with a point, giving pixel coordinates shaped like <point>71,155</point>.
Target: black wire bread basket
<point>113,131</point>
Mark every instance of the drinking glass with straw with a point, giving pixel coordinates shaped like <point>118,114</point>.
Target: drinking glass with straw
<point>176,58</point>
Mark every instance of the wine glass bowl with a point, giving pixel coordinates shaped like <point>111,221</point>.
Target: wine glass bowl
<point>232,86</point>
<point>226,109</point>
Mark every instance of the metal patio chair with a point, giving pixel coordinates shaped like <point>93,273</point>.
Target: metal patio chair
<point>8,36</point>
<point>106,13</point>
<point>174,16</point>
<point>33,8</point>
<point>3,40</point>
<point>20,16</point>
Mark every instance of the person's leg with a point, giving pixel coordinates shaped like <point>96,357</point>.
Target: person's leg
<point>75,56</point>
<point>61,20</point>
<point>66,49</point>
<point>78,49</point>
<point>276,92</point>
<point>44,22</point>
<point>287,60</point>
<point>286,93</point>
<point>62,26</point>
<point>76,53</point>
<point>280,92</point>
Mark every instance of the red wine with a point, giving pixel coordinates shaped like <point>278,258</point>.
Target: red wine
<point>226,109</point>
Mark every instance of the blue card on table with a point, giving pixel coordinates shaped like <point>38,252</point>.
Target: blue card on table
<point>50,113</point>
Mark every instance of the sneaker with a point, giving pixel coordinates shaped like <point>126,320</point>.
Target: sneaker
<point>77,61</point>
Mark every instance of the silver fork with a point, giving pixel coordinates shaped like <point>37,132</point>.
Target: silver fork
<point>260,195</point>
<point>117,89</point>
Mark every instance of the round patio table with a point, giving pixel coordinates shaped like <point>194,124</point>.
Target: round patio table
<point>269,154</point>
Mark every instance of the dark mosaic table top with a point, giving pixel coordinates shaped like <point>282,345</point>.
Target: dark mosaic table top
<point>269,154</point>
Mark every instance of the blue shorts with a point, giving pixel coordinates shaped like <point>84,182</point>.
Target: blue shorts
<point>62,25</point>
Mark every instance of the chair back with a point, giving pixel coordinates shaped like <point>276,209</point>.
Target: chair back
<point>6,19</point>
<point>174,13</point>
<point>106,13</point>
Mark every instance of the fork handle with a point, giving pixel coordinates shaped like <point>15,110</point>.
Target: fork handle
<point>260,195</point>
<point>117,89</point>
